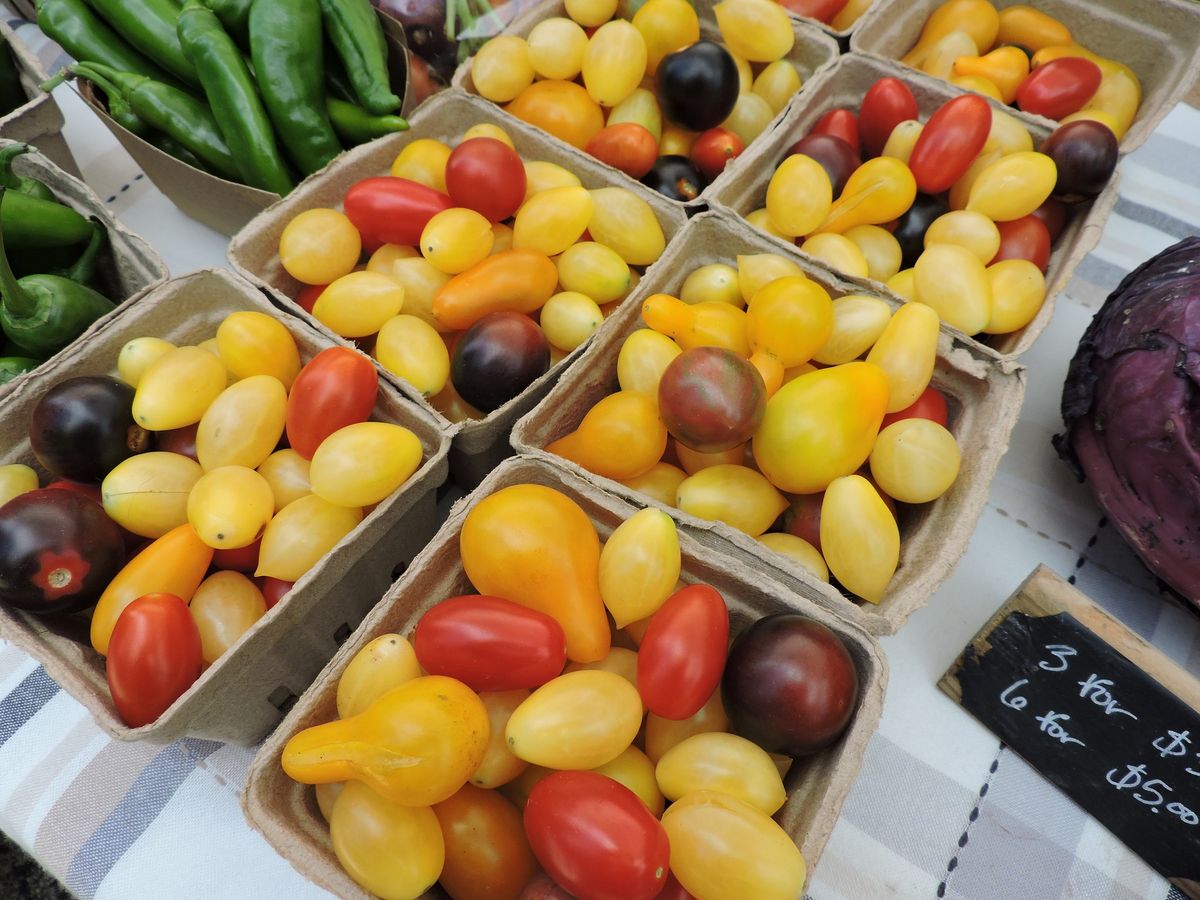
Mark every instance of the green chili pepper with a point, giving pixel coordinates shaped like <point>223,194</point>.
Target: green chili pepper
<point>172,147</point>
<point>285,45</point>
<point>235,16</point>
<point>235,102</point>
<point>83,270</point>
<point>87,38</point>
<point>116,103</point>
<point>173,112</point>
<point>12,94</point>
<point>357,126</point>
<point>22,185</point>
<point>353,26</point>
<point>43,313</point>
<point>150,26</point>
<point>12,366</point>
<point>30,222</point>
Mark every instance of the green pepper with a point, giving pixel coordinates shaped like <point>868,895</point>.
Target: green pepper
<point>12,366</point>
<point>234,100</point>
<point>235,16</point>
<point>87,38</point>
<point>117,105</point>
<point>12,94</point>
<point>22,185</point>
<point>285,45</point>
<point>43,313</point>
<point>173,112</point>
<point>83,270</point>
<point>30,222</point>
<point>353,27</point>
<point>150,26</point>
<point>172,147</point>
<point>357,126</point>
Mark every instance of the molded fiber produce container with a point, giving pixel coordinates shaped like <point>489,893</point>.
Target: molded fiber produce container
<point>40,121</point>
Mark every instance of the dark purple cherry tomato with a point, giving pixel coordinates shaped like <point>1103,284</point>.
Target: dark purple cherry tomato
<point>930,405</point>
<point>154,655</point>
<point>676,177</point>
<point>711,399</point>
<point>497,358</point>
<point>682,652</point>
<point>83,427</point>
<point>790,685</point>
<point>837,158</point>
<point>596,838</point>
<point>949,142</point>
<point>1053,214</point>
<point>910,229</point>
<point>486,175</point>
<point>698,86</point>
<point>178,440</point>
<point>1059,87</point>
<point>1085,153</point>
<point>886,104</point>
<point>58,551</point>
<point>840,123</point>
<point>490,644</point>
<point>803,518</point>
<point>1024,238</point>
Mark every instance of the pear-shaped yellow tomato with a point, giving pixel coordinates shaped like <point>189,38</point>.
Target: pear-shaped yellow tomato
<point>907,352</point>
<point>386,662</point>
<point>736,495</point>
<point>366,829</point>
<point>244,423</point>
<point>639,566</point>
<point>619,661</point>
<point>662,734</point>
<point>634,769</point>
<point>137,355</point>
<point>300,534</point>
<point>953,281</point>
<point>147,494</point>
<point>230,506</point>
<point>625,222</point>
<point>661,483</point>
<point>708,324</point>
<point>535,546</point>
<point>722,848</point>
<point>878,191</point>
<point>499,765</point>
<point>224,607</point>
<point>790,318</point>
<point>552,220</point>
<point>416,745</point>
<point>620,437</point>
<point>411,348</point>
<point>580,720</point>
<point>357,305</point>
<point>821,426</point>
<point>644,356</point>
<point>799,196</point>
<point>363,463</point>
<point>715,761</point>
<point>253,343</point>
<point>286,472</point>
<point>859,537</point>
<point>177,388</point>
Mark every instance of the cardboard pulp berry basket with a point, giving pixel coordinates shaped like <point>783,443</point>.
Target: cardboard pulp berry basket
<point>813,52</point>
<point>242,695</point>
<point>40,121</point>
<point>478,444</point>
<point>221,204</point>
<point>128,265</point>
<point>1158,39</point>
<point>286,813</point>
<point>983,392</point>
<point>844,86</point>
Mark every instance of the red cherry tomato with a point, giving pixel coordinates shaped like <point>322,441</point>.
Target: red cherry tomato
<point>821,10</point>
<point>628,146</point>
<point>888,103</point>
<point>490,644</point>
<point>949,142</point>
<point>1024,238</point>
<point>273,589</point>
<point>1059,87</point>
<point>682,652</point>
<point>1053,214</point>
<point>308,296</point>
<point>840,123</point>
<point>803,519</point>
<point>485,175</point>
<point>713,150</point>
<point>243,559</point>
<point>178,440</point>
<point>335,389</point>
<point>596,838</point>
<point>91,491</point>
<point>388,210</point>
<point>930,405</point>
<point>153,657</point>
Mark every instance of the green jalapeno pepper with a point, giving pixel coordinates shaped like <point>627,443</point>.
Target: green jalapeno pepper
<point>353,27</point>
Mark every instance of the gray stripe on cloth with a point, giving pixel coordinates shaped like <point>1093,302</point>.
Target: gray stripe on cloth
<point>1155,218</point>
<point>34,692</point>
<point>1163,154</point>
<point>140,806</point>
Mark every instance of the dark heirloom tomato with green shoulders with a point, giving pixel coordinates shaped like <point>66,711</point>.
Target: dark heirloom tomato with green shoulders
<point>711,399</point>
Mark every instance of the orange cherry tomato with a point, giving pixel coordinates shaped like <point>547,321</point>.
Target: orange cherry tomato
<point>627,146</point>
<point>563,108</point>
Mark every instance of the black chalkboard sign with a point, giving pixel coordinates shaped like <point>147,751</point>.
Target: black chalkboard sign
<point>1100,713</point>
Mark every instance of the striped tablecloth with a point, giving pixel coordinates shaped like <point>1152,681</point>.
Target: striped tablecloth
<point>940,808</point>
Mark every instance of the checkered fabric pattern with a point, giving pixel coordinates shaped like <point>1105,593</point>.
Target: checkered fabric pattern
<point>940,809</point>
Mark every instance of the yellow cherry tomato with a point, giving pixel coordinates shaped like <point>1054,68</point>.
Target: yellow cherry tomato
<point>777,83</point>
<point>757,30</point>
<point>562,108</point>
<point>715,761</point>
<point>838,252</point>
<point>594,270</point>
<point>579,720</point>
<point>423,161</point>
<point>300,534</point>
<point>569,318</point>
<point>17,479</point>
<point>363,463</point>
<point>694,461</point>
<point>224,608</point>
<point>501,69</point>
<point>502,238</point>
<point>455,239</point>
<point>698,325</point>
<point>880,250</point>
<point>635,770</point>
<point>412,349</point>
<point>903,139</point>
<point>591,13</point>
<point>177,388</point>
<point>915,460</point>
<point>620,437</point>
<point>1018,291</point>
<point>357,305</point>
<point>736,495</point>
<point>660,483</point>
<point>148,493</point>
<point>327,795</point>
<point>904,284</point>
<point>388,255</point>
<point>750,117</point>
<point>319,246</point>
<point>552,220</point>
<point>137,355</point>
<point>859,537</point>
<point>675,141</point>
<point>286,472</point>
<point>253,343</point>
<point>421,283</point>
<point>907,352</point>
<point>798,551</point>
<point>954,282</point>
<point>499,765</point>
<point>790,318</point>
<point>541,176</point>
<point>878,191</point>
<point>386,662</point>
<point>761,219</point>
<point>517,791</point>
<point>229,507</point>
<point>619,661</point>
<point>626,223</point>
<point>663,734</point>
<point>487,129</point>
<point>614,62</point>
<point>639,566</point>
<point>716,282</point>
<point>972,230</point>
<point>643,358</point>
<point>243,425</point>
<point>756,270</point>
<point>640,108</point>
<point>556,48</point>
<point>1013,186</point>
<point>666,26</point>
<point>799,196</point>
